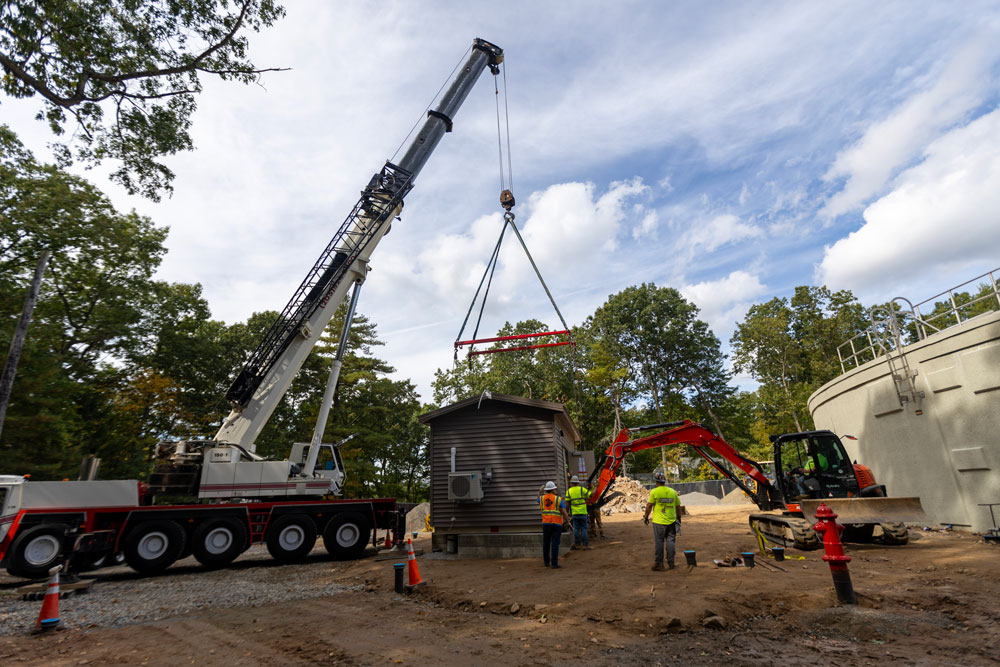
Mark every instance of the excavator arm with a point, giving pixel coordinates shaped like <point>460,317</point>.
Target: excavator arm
<point>706,444</point>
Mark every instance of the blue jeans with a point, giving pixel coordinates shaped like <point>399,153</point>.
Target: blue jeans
<point>551,536</point>
<point>580,529</point>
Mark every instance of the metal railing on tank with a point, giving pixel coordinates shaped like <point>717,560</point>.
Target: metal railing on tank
<point>901,322</point>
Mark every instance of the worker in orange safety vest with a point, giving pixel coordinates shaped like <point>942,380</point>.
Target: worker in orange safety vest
<point>553,514</point>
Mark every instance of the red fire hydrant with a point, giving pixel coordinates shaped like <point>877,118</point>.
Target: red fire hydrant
<point>835,556</point>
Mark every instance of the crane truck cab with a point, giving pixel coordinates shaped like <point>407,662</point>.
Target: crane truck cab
<point>10,500</point>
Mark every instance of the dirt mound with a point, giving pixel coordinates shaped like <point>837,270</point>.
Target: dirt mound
<point>735,497</point>
<point>416,517</point>
<point>696,498</point>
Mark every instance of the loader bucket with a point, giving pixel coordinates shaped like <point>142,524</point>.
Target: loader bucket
<point>870,510</point>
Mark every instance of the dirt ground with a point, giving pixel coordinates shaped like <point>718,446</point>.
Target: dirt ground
<point>934,601</point>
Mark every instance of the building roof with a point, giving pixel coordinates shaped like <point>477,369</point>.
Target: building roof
<point>550,406</point>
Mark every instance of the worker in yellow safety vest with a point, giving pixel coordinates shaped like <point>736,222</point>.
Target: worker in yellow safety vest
<point>664,503</point>
<point>553,514</point>
<point>577,497</point>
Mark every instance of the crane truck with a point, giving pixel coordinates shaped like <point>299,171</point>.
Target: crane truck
<point>809,468</point>
<point>234,497</point>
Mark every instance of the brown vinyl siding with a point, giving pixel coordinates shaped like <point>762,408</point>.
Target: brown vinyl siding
<point>523,446</point>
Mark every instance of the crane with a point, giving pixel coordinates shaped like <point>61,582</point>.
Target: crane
<point>208,468</point>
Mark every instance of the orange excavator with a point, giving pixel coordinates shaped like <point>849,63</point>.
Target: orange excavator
<point>809,468</point>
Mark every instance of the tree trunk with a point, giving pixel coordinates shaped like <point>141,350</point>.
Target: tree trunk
<point>659,418</point>
<point>20,333</point>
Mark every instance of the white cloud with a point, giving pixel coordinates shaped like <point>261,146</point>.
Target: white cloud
<point>940,215</point>
<point>647,226</point>
<point>725,301</point>
<point>891,143</point>
<point>717,232</point>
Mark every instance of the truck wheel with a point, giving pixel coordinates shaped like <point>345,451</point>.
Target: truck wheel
<point>346,535</point>
<point>36,550</point>
<point>153,546</point>
<point>217,542</point>
<point>290,537</point>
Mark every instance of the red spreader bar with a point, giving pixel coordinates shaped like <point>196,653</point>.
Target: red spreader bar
<point>499,339</point>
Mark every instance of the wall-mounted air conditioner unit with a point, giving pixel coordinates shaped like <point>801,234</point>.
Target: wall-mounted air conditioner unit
<point>465,486</point>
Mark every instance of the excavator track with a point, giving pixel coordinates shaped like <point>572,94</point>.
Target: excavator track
<point>893,533</point>
<point>786,530</point>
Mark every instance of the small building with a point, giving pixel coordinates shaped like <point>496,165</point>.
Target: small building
<point>489,455</point>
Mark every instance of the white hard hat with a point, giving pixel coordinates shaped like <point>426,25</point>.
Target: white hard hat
<point>575,479</point>
<point>550,486</point>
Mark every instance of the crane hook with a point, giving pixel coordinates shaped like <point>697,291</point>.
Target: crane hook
<point>507,200</point>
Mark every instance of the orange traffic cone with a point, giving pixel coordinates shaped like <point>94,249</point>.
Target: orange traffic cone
<point>411,564</point>
<point>388,542</point>
<point>48,618</point>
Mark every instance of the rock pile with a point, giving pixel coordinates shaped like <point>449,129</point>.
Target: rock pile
<point>626,496</point>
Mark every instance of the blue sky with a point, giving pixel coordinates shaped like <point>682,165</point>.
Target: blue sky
<point>730,150</point>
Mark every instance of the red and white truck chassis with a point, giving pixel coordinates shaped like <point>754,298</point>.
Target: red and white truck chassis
<point>40,522</point>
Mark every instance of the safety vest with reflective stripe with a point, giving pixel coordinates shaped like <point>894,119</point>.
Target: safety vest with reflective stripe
<point>550,503</point>
<point>577,497</point>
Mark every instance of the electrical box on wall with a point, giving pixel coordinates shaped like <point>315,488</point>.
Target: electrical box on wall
<point>465,486</point>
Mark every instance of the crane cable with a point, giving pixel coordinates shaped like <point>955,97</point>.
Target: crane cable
<point>507,202</point>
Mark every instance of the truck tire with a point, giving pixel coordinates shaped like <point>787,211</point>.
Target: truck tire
<point>36,550</point>
<point>346,535</point>
<point>153,546</point>
<point>217,542</point>
<point>290,537</point>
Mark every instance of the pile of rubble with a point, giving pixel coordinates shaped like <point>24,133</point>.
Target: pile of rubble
<point>626,496</point>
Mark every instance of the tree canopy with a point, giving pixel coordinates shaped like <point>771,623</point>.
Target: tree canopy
<point>121,76</point>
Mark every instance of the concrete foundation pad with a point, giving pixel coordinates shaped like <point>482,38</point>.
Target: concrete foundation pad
<point>502,545</point>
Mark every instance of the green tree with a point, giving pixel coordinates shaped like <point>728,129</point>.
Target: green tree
<point>654,336</point>
<point>89,316</point>
<point>123,75</point>
<point>790,348</point>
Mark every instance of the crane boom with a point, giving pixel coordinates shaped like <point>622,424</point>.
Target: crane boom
<point>267,374</point>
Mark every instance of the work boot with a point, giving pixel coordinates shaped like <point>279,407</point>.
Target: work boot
<point>670,566</point>
<point>657,567</point>
<point>575,546</point>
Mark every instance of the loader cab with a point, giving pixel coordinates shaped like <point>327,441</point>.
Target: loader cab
<point>813,464</point>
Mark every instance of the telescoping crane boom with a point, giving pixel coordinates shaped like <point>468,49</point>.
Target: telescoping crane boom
<point>270,369</point>
<point>811,467</point>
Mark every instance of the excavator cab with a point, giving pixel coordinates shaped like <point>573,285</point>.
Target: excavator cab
<point>813,465</point>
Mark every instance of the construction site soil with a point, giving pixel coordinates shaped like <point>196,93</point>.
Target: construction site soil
<point>933,601</point>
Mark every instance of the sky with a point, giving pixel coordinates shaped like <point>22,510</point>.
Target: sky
<point>731,150</point>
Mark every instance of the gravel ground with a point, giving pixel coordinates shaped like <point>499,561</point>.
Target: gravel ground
<point>122,597</point>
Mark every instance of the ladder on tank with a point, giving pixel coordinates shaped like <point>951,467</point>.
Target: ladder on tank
<point>885,326</point>
<point>370,214</point>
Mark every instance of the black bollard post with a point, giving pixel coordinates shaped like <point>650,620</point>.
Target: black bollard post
<point>690,555</point>
<point>399,567</point>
